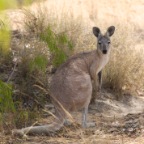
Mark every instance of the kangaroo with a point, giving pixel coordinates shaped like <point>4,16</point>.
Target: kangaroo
<point>71,85</point>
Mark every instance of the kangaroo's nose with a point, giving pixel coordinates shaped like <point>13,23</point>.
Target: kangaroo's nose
<point>104,51</point>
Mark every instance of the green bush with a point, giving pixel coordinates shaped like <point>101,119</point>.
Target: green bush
<point>59,45</point>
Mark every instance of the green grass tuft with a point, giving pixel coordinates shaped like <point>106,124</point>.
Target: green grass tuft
<point>6,101</point>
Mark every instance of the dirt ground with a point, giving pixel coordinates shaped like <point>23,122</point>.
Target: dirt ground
<point>117,122</point>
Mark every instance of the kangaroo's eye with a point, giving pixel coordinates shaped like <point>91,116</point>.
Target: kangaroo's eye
<point>99,42</point>
<point>109,42</point>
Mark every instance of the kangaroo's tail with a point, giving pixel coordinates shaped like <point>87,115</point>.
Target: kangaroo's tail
<point>44,129</point>
<point>39,130</point>
<point>61,114</point>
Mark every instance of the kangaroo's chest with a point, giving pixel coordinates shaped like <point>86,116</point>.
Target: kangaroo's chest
<point>101,64</point>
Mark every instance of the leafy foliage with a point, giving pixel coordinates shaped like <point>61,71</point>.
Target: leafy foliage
<point>59,45</point>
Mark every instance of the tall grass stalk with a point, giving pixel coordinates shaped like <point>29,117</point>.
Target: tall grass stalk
<point>6,101</point>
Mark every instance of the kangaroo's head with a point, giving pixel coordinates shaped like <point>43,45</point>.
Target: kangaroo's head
<point>103,41</point>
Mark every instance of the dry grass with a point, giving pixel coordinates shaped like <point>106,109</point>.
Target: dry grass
<point>125,70</point>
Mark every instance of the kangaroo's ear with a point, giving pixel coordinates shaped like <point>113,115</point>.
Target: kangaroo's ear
<point>110,31</point>
<point>96,31</point>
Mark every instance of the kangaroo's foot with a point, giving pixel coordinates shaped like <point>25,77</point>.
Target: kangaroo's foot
<point>89,124</point>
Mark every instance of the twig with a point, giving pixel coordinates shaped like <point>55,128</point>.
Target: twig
<point>41,88</point>
<point>12,73</point>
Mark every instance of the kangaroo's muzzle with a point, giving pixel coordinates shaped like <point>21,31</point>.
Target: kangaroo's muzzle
<point>104,51</point>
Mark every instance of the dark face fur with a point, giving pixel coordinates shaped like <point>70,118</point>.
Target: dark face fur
<point>103,43</point>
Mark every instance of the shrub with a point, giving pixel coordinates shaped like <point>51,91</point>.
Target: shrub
<point>58,44</point>
<point>125,71</point>
<point>31,71</point>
